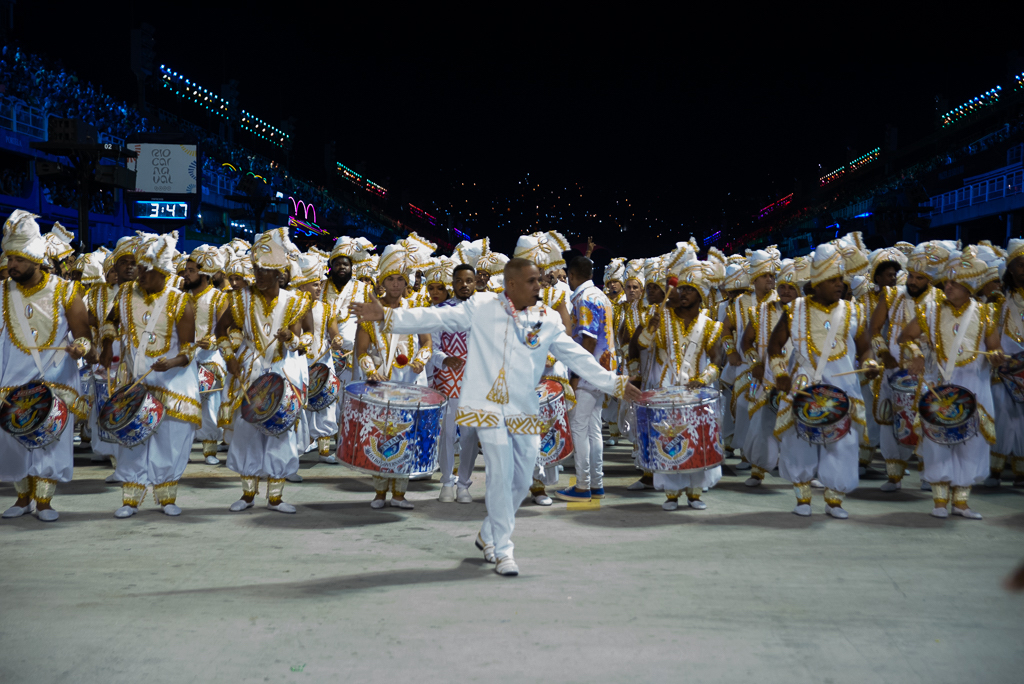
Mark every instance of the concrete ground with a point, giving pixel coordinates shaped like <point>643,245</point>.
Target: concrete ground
<point>620,592</point>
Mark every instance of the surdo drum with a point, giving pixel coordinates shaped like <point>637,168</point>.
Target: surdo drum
<point>391,428</point>
<point>271,404</point>
<point>949,414</point>
<point>904,406</point>
<point>679,430</point>
<point>324,387</point>
<point>556,443</point>
<point>821,414</point>
<point>131,415</point>
<point>34,415</point>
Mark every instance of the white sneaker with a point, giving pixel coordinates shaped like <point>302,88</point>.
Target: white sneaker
<point>294,477</point>
<point>966,513</point>
<point>377,503</point>
<point>803,509</point>
<point>891,486</point>
<point>926,486</point>
<point>171,509</point>
<point>637,486</point>
<point>212,460</point>
<point>697,504</point>
<point>816,484</point>
<point>401,503</point>
<point>241,505</point>
<point>49,515</point>
<point>330,460</point>
<point>447,494</point>
<point>125,512</point>
<point>283,507</point>
<point>742,465</point>
<point>415,477</point>
<point>670,505</point>
<point>18,511</point>
<point>991,481</point>
<point>940,512</point>
<point>506,566</point>
<point>752,482</point>
<point>610,441</point>
<point>462,495</point>
<point>836,512</point>
<point>542,499</point>
<point>488,549</point>
<point>312,445</point>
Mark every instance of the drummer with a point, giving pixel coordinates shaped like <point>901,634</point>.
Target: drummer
<point>1009,313</point>
<point>510,337</point>
<point>32,297</point>
<point>689,351</point>
<point>397,358</point>
<point>955,324</point>
<point>208,304</point>
<point>272,321</point>
<point>822,321</point>
<point>156,326</point>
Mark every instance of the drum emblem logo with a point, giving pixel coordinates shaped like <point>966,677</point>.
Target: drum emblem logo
<point>393,446</point>
<point>671,442</point>
<point>551,441</point>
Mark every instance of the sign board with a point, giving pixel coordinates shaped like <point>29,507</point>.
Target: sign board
<point>162,168</point>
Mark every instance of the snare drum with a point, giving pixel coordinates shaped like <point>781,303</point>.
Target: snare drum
<point>679,430</point>
<point>324,387</point>
<point>34,415</point>
<point>556,443</point>
<point>904,406</point>
<point>271,404</point>
<point>821,414</point>
<point>208,380</point>
<point>102,395</point>
<point>949,414</point>
<point>1012,374</point>
<point>391,428</point>
<point>131,415</point>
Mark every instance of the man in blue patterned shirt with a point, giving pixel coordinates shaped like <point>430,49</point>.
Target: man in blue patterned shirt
<point>592,318</point>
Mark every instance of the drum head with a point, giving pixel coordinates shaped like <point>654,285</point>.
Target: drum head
<point>947,406</point>
<point>1013,365</point>
<point>821,405</point>
<point>665,397</point>
<point>122,406</point>
<point>397,394</point>
<point>319,376</point>
<point>262,398</point>
<point>903,381</point>
<point>549,390</point>
<point>773,400</point>
<point>28,407</point>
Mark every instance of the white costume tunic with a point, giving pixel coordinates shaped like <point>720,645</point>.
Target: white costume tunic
<point>740,312</point>
<point>819,361</point>
<point>321,423</point>
<point>100,300</point>
<point>252,453</point>
<point>206,303</point>
<point>507,354</point>
<point>386,350</point>
<point>760,446</point>
<point>354,291</point>
<point>162,458</point>
<point>1009,415</point>
<point>685,356</point>
<point>960,465</point>
<point>42,309</point>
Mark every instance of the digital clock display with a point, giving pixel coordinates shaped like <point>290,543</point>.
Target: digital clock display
<point>152,209</point>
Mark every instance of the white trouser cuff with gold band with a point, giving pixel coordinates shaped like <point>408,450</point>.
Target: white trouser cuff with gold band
<point>250,485</point>
<point>43,489</point>
<point>672,494</point>
<point>166,493</point>
<point>537,487</point>
<point>960,496</point>
<point>866,454</point>
<point>757,472</point>
<point>275,490</point>
<point>803,492</point>
<point>693,493</point>
<point>133,494</point>
<point>323,446</point>
<point>996,463</point>
<point>895,468</point>
<point>940,493</point>
<point>209,447</point>
<point>834,497</point>
<point>23,487</point>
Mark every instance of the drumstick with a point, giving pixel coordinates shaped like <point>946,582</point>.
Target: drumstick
<point>211,390</point>
<point>979,351</point>
<point>140,379</point>
<point>50,348</point>
<point>859,370</point>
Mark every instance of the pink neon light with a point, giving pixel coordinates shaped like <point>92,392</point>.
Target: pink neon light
<point>306,208</point>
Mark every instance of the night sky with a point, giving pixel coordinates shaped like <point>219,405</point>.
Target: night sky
<point>686,122</point>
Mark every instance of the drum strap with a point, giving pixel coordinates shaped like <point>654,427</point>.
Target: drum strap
<point>830,339</point>
<point>947,370</point>
<point>278,321</point>
<point>159,309</point>
<point>26,332</point>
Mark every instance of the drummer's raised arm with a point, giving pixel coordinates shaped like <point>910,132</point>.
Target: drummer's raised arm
<point>582,363</point>
<point>430,319</point>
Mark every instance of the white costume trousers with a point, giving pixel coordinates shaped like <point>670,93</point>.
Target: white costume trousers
<point>468,438</point>
<point>209,432</point>
<point>759,444</point>
<point>834,464</point>
<point>1009,420</point>
<point>322,423</point>
<point>961,465</point>
<point>728,420</point>
<point>161,458</point>
<point>55,462</point>
<point>254,454</point>
<point>447,452</point>
<point>509,475</point>
<point>677,482</point>
<point>585,423</point>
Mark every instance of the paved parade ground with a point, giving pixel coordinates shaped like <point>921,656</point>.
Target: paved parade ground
<point>620,592</point>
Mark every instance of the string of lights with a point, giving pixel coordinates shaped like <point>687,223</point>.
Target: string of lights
<point>261,129</point>
<point>193,92</point>
<point>857,163</point>
<point>986,99</point>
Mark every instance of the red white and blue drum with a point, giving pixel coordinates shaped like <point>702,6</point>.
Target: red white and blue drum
<point>556,439</point>
<point>391,428</point>
<point>271,404</point>
<point>208,381</point>
<point>679,430</point>
<point>1012,375</point>
<point>324,387</point>
<point>34,415</point>
<point>821,414</point>
<point>904,406</point>
<point>102,395</point>
<point>949,414</point>
<point>131,415</point>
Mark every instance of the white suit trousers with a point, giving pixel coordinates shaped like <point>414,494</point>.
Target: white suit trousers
<point>509,476</point>
<point>585,422</point>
